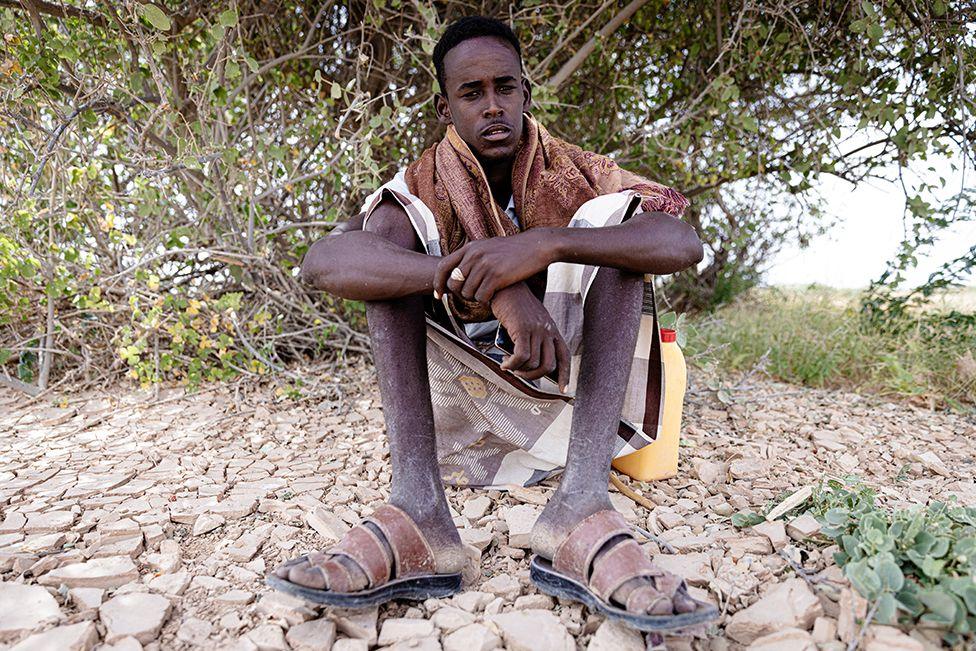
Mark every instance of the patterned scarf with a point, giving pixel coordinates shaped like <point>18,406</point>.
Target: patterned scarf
<point>551,179</point>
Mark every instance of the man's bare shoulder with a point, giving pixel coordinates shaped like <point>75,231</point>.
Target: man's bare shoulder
<point>387,210</point>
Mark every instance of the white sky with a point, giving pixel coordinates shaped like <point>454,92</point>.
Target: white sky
<point>867,235</point>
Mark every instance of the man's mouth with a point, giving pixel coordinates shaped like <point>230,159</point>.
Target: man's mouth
<point>496,133</point>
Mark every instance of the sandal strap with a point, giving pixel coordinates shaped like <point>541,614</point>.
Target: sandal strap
<point>367,551</point>
<point>411,551</point>
<point>575,554</point>
<point>643,598</point>
<point>619,564</point>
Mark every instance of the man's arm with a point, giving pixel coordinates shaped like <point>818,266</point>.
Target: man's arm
<point>375,264</point>
<point>647,243</point>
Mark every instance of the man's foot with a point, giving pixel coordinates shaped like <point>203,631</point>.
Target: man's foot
<point>595,546</point>
<point>390,548</point>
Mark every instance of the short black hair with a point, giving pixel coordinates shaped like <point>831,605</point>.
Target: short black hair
<point>466,28</point>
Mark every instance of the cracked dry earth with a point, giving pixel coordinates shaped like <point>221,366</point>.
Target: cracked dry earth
<point>137,521</point>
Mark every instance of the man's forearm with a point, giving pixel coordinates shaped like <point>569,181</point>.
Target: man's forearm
<point>654,243</point>
<point>364,266</point>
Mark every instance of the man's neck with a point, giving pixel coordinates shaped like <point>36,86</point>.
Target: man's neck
<point>499,175</point>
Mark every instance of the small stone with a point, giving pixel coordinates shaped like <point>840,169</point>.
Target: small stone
<point>131,547</point>
<point>451,618</point>
<point>824,630</point>
<point>358,623</point>
<point>533,630</point>
<point>350,644</point>
<point>231,622</point>
<point>739,547</point>
<point>748,468</point>
<point>668,518</point>
<point>236,597</point>
<point>504,586</point>
<point>828,440</point>
<point>476,507</point>
<point>789,639</point>
<point>110,572</point>
<point>23,608</point>
<point>140,615</point>
<point>803,527</point>
<point>50,522</point>
<point>77,637</point>
<point>402,629</point>
<point>169,558</point>
<point>789,604</point>
<point>171,584</point>
<point>480,539</point>
<point>86,598</point>
<point>268,637</point>
<point>327,525</point>
<point>889,638</point>
<point>316,635</point>
<point>280,605</point>
<point>695,568</point>
<point>473,637</point>
<point>534,601</point>
<point>615,636</point>
<point>852,609</point>
<point>520,520</point>
<point>235,507</point>
<point>206,523</point>
<point>194,631</point>
<point>472,600</point>
<point>125,644</point>
<point>13,522</point>
<point>710,473</point>
<point>245,548</point>
<point>775,531</point>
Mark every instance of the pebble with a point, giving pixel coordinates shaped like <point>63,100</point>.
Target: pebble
<point>803,527</point>
<point>315,635</point>
<point>473,637</point>
<point>520,520</point>
<point>110,572</point>
<point>268,637</point>
<point>350,644</point>
<point>137,614</point>
<point>402,629</point>
<point>170,584</point>
<point>358,623</point>
<point>450,618</point>
<point>775,531</point>
<point>278,605</point>
<point>82,636</point>
<point>23,608</point>
<point>533,630</point>
<point>194,631</point>
<point>207,522</point>
<point>788,639</point>
<point>86,598</point>
<point>615,636</point>
<point>789,604</point>
<point>504,586</point>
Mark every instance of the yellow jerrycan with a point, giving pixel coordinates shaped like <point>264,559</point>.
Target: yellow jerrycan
<point>659,460</point>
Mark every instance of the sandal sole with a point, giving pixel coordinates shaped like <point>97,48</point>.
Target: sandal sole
<point>559,585</point>
<point>417,588</point>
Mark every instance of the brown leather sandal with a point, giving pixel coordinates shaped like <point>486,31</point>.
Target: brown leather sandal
<point>409,574</point>
<point>574,574</point>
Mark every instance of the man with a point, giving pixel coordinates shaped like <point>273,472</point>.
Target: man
<point>434,248</point>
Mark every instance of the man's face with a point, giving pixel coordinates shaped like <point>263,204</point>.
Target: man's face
<point>484,97</point>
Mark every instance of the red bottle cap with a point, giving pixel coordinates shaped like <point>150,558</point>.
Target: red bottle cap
<point>668,335</point>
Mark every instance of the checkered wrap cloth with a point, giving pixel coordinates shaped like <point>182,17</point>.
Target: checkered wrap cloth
<point>493,428</point>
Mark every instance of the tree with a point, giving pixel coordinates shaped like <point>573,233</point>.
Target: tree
<point>163,167</point>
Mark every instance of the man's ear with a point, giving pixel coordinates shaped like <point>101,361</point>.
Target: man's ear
<point>443,109</point>
<point>527,92</point>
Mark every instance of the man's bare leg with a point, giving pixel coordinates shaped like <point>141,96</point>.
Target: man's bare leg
<point>611,322</point>
<point>398,334</point>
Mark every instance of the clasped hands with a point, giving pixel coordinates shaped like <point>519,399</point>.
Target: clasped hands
<point>493,271</point>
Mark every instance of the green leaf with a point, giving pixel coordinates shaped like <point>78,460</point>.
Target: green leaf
<point>228,18</point>
<point>252,64</point>
<point>746,519</point>
<point>886,608</point>
<point>156,17</point>
<point>750,123</point>
<point>940,605</point>
<point>336,91</point>
<point>875,32</point>
<point>891,575</point>
<point>864,579</point>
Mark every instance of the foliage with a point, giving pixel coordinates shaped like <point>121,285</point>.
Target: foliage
<point>818,337</point>
<point>153,154</point>
<point>915,565</point>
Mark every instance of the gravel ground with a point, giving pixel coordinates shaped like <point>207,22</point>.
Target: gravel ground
<point>132,520</point>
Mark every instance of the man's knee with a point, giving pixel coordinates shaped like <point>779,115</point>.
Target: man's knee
<point>389,220</point>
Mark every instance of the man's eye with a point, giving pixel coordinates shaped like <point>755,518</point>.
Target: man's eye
<point>472,94</point>
<point>507,89</point>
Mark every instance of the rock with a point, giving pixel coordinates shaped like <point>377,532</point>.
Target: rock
<point>360,624</point>
<point>789,639</point>
<point>86,598</point>
<point>316,635</point>
<point>520,520</point>
<point>852,609</point>
<point>236,597</point>
<point>824,630</point>
<point>775,531</point>
<point>929,459</point>
<point>789,604</point>
<point>50,522</point>
<point>235,507</point>
<point>422,644</point>
<point>710,473</point>
<point>280,605</point>
<point>476,507</point>
<point>207,523</point>
<point>614,636</point>
<point>131,547</point>
<point>668,518</point>
<point>480,539</point>
<point>169,558</point>
<point>828,440</point>
<point>450,618</point>
<point>473,637</point>
<point>23,608</point>
<point>739,547</point>
<point>504,586</point>
<point>889,638</point>
<point>472,600</point>
<point>171,584</point>
<point>13,522</point>
<point>194,631</point>
<point>245,548</point>
<point>125,644</point>
<point>803,527</point>
<point>534,602</point>
<point>401,629</point>
<point>110,572</point>
<point>748,468</point>
<point>327,525</point>
<point>140,615</point>
<point>268,637</point>
<point>350,644</point>
<point>533,630</point>
<point>695,568</point>
<point>77,637</point>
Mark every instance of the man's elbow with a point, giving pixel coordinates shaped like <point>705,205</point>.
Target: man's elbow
<point>317,268</point>
<point>686,252</point>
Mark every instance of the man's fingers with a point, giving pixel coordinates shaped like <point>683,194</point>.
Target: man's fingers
<point>444,269</point>
<point>562,362</point>
<point>547,363</point>
<point>472,283</point>
<point>517,359</point>
<point>535,353</point>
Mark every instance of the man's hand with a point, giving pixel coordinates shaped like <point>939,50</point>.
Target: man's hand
<point>539,348</point>
<point>491,265</point>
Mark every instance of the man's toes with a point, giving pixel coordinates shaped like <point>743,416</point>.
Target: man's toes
<point>683,603</point>
<point>661,606</point>
<point>647,599</point>
<point>307,575</point>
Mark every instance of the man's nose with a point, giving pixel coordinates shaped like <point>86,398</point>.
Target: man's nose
<point>493,108</point>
